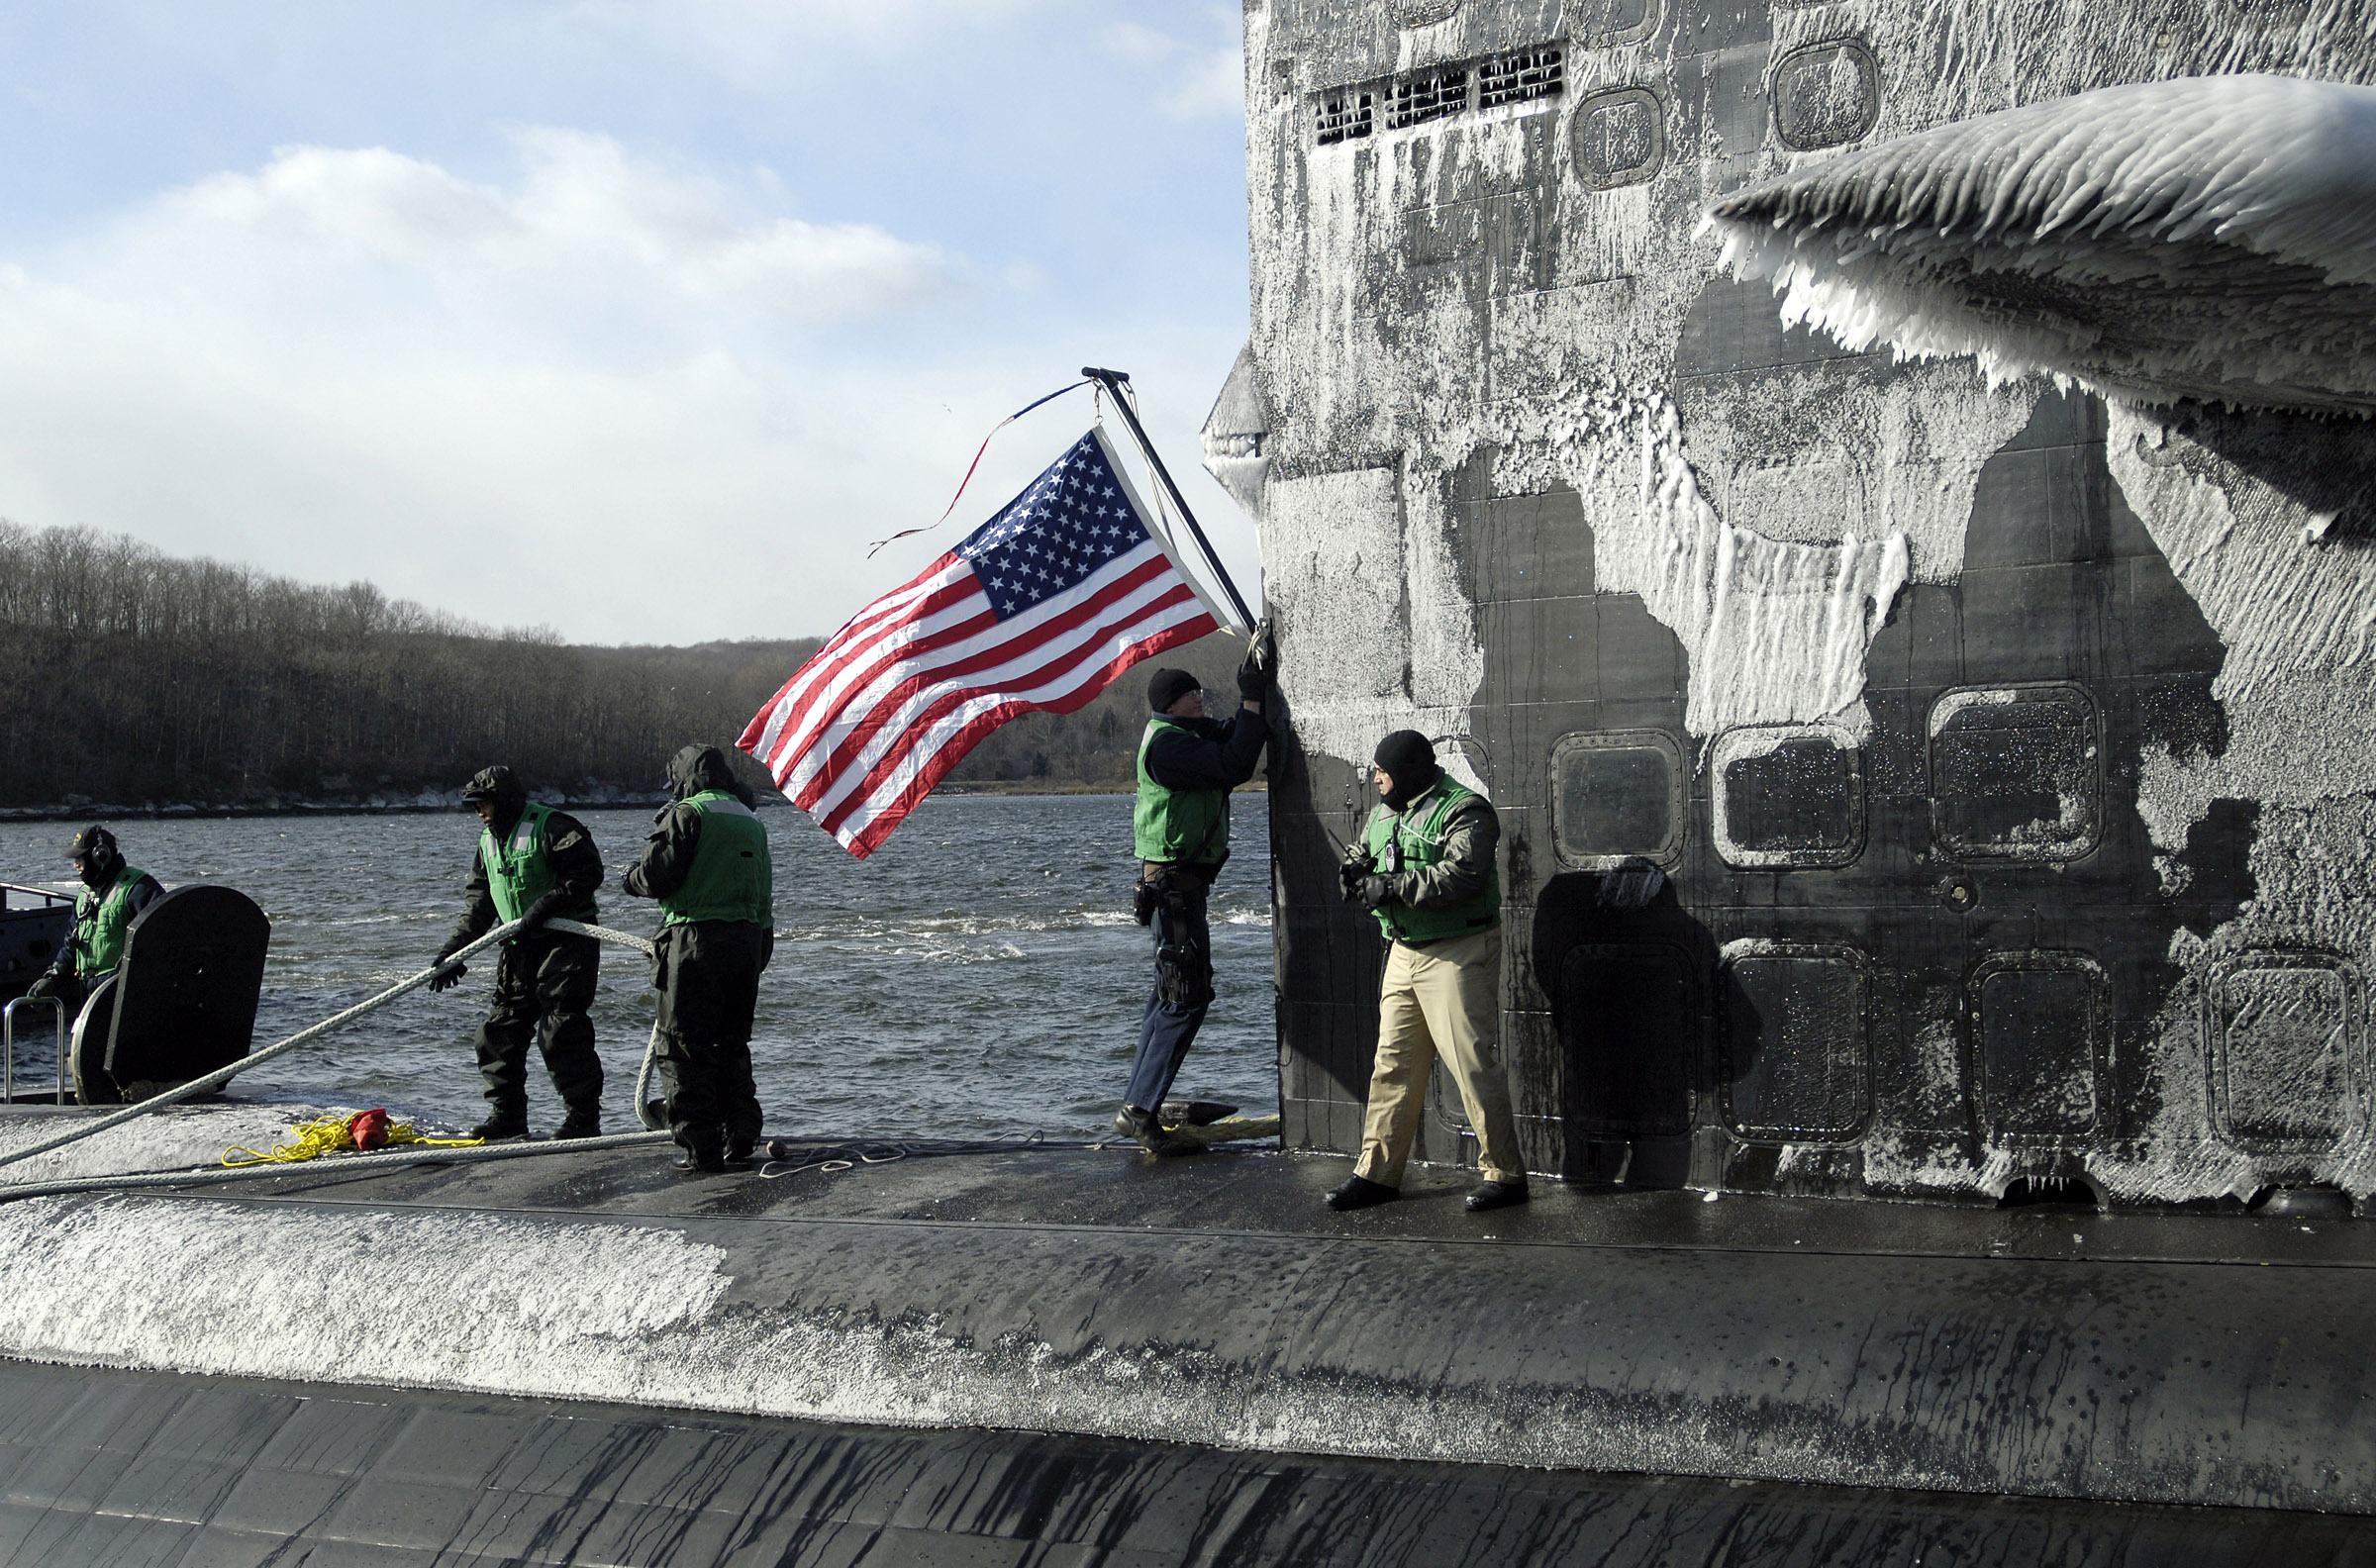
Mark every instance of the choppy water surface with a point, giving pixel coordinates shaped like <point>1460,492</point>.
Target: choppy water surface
<point>979,975</point>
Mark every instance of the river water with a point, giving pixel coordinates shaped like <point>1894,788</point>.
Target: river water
<point>980,975</point>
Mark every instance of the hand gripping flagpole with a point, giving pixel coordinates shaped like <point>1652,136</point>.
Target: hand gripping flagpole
<point>1113,381</point>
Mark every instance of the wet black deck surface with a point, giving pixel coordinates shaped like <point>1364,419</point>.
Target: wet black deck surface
<point>1750,1381</point>
<point>1230,1193</point>
<point>180,1471</point>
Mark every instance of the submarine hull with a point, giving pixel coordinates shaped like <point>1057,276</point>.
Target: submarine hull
<point>1812,1373</point>
<point>162,1467</point>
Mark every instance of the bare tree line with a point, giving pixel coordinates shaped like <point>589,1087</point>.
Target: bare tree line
<point>134,678</point>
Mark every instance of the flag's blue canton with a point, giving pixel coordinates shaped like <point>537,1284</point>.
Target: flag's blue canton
<point>1073,521</point>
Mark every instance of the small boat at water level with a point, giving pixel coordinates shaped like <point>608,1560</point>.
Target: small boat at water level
<point>34,922</point>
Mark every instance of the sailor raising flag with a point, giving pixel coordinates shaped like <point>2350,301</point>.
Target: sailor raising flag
<point>1034,611</point>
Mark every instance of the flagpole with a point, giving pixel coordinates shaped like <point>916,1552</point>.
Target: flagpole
<point>1113,381</point>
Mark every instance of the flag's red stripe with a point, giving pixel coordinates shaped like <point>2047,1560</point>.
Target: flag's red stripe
<point>858,626</point>
<point>862,708</point>
<point>953,750</point>
<point>941,756</point>
<point>894,770</point>
<point>918,727</point>
<point>824,671</point>
<point>854,735</point>
<point>866,666</point>
<point>789,757</point>
<point>884,707</point>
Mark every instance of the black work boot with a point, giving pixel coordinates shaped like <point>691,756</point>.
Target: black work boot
<point>1156,1139</point>
<point>700,1162</point>
<point>1496,1195</point>
<point>1359,1192</point>
<point>580,1124</point>
<point>501,1127</point>
<point>737,1151</point>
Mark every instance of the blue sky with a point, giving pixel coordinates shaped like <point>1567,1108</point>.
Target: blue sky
<point>636,321</point>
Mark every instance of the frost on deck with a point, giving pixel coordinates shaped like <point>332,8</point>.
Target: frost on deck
<point>1996,757</point>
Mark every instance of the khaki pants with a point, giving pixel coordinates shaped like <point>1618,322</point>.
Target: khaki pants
<point>1445,996</point>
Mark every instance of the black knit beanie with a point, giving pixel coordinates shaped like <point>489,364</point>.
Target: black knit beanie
<point>1409,760</point>
<point>1168,686</point>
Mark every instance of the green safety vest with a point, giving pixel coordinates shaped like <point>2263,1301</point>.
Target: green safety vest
<point>1414,837</point>
<point>518,870</point>
<point>732,878</point>
<point>1171,826</point>
<point>99,925</point>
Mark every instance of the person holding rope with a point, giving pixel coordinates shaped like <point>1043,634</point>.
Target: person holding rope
<point>1187,766</point>
<point>708,864</point>
<point>113,893</point>
<point>533,864</point>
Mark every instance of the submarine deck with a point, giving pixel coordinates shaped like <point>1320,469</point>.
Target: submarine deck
<point>1266,1194</point>
<point>1603,1365</point>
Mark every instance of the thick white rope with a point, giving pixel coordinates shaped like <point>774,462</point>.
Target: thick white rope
<point>224,1075</point>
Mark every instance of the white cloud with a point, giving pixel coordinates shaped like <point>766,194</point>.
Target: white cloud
<point>1212,85</point>
<point>571,400</point>
<point>1201,81</point>
<point>755,41</point>
<point>1141,45</point>
<point>549,401</point>
<point>583,210</point>
<point>635,386</point>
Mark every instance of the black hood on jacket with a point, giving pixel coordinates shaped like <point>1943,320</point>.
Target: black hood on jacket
<point>704,767</point>
<point>501,786</point>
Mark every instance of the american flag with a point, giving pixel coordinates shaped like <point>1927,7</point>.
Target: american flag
<point>1037,609</point>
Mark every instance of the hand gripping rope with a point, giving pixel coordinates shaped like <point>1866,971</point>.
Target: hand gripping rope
<point>305,1036</point>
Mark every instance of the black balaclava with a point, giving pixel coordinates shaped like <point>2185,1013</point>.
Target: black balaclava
<point>1410,761</point>
<point>100,857</point>
<point>1168,686</point>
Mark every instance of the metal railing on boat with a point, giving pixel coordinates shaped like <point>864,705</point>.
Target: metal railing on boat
<point>8,1047</point>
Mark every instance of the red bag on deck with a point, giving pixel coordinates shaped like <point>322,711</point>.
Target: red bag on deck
<point>369,1129</point>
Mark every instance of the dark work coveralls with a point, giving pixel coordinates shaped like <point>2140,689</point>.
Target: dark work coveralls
<point>545,981</point>
<point>708,864</point>
<point>1187,755</point>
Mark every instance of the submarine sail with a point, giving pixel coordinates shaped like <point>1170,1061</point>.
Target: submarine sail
<point>1931,733</point>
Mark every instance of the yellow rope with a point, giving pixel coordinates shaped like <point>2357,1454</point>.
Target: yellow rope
<point>332,1135</point>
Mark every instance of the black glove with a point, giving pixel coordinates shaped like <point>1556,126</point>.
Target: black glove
<point>449,975</point>
<point>533,918</point>
<point>46,986</point>
<point>1261,661</point>
<point>1358,862</point>
<point>1375,892</point>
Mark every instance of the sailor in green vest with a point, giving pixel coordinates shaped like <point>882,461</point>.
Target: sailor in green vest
<point>1187,766</point>
<point>707,862</point>
<point>1424,867</point>
<point>533,864</point>
<point>112,894</point>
